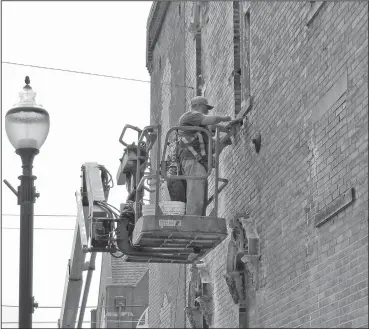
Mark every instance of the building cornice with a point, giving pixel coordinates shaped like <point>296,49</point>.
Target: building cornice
<point>154,24</point>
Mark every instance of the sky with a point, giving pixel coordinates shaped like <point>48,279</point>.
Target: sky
<point>87,115</point>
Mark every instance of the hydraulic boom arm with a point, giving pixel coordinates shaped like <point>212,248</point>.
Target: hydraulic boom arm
<point>92,192</point>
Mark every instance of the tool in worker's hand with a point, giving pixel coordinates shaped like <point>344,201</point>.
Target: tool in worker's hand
<point>232,123</point>
<point>231,127</point>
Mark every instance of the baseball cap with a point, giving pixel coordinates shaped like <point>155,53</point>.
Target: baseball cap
<point>201,100</point>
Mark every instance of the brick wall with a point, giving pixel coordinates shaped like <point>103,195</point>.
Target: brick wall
<point>167,105</point>
<point>310,89</point>
<point>219,80</point>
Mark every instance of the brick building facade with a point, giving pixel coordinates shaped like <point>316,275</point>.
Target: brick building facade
<point>298,73</point>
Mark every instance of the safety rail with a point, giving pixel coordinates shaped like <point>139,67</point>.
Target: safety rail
<point>139,131</point>
<point>160,175</point>
<point>144,133</point>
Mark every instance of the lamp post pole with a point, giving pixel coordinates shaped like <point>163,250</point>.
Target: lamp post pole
<point>27,126</point>
<point>26,199</point>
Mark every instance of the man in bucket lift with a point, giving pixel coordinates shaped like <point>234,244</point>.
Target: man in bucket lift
<point>192,152</point>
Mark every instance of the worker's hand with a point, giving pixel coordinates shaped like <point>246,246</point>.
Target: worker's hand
<point>227,118</point>
<point>231,123</point>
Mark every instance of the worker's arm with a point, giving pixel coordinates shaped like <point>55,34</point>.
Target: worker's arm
<point>222,128</point>
<point>209,120</point>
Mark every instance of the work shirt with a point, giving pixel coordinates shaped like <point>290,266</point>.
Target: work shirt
<point>192,118</point>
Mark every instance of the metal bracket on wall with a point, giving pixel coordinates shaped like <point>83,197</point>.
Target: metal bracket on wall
<point>243,257</point>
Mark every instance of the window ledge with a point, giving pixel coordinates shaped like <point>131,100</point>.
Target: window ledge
<point>313,11</point>
<point>246,107</point>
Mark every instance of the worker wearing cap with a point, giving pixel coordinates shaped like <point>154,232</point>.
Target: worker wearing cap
<point>192,154</point>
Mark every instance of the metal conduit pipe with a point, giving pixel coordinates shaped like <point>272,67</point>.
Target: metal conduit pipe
<point>93,319</point>
<point>119,315</point>
<point>91,268</point>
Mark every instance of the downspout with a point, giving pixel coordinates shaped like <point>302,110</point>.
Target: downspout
<point>184,51</point>
<point>119,315</point>
<point>185,104</point>
<point>91,268</point>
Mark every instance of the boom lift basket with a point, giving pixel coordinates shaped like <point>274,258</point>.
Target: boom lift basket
<point>156,237</point>
<point>163,238</point>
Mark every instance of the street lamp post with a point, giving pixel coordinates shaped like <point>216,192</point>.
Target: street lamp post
<point>27,126</point>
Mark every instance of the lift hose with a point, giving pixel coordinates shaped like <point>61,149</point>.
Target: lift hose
<point>128,214</point>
